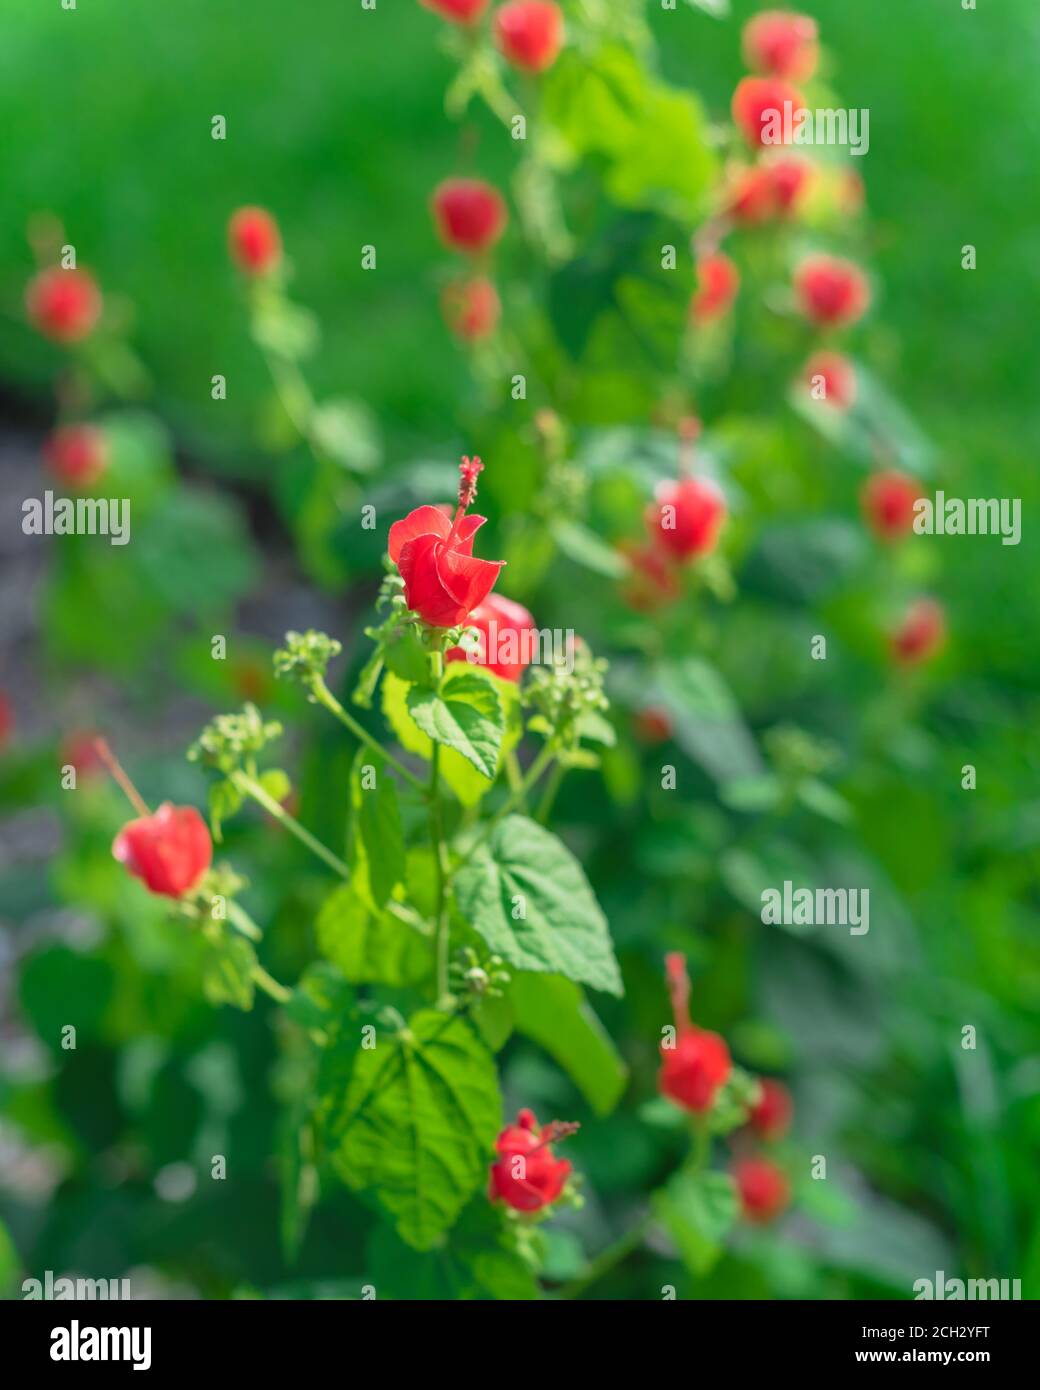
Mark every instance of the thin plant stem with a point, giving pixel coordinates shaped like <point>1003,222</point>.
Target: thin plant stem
<point>515,799</point>
<point>552,786</point>
<point>609,1258</point>
<point>270,985</point>
<point>115,767</point>
<point>252,788</point>
<point>241,921</point>
<point>325,697</point>
<point>441,927</point>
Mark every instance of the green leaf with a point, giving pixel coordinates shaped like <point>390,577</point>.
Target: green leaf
<point>707,721</point>
<point>285,329</point>
<point>406,656</point>
<point>493,1019</point>
<point>554,1013</point>
<point>371,947</point>
<point>224,800</point>
<point>378,839</point>
<point>347,433</point>
<point>276,784</point>
<point>698,1210</point>
<point>652,138</point>
<point>461,776</point>
<point>321,997</point>
<point>418,1124</point>
<point>228,972</point>
<point>585,548</point>
<point>527,896</point>
<point>479,1264</point>
<point>465,715</point>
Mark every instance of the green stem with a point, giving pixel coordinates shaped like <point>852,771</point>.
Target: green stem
<point>241,921</point>
<point>701,1151</point>
<point>441,928</point>
<point>515,799</point>
<point>270,985</point>
<point>246,784</point>
<point>552,786</point>
<point>325,697</point>
<point>608,1259</point>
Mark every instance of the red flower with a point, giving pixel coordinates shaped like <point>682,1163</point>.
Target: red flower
<point>470,215</point>
<point>835,376</point>
<point>782,44</point>
<point>6,720</point>
<point>653,725</point>
<point>686,517</point>
<point>718,281</point>
<point>758,107</point>
<point>169,851</point>
<point>831,292</point>
<point>502,625</point>
<point>526,1176</point>
<point>471,307</point>
<point>77,454</point>
<point>254,241</point>
<point>921,633</point>
<point>851,193</point>
<point>80,751</point>
<point>63,305</point>
<point>763,1187</point>
<point>888,501</point>
<point>771,1117</point>
<point>457,11</point>
<point>652,580</point>
<point>751,197</point>
<point>790,179</point>
<point>693,1069</point>
<point>529,33</point>
<point>443,582</point>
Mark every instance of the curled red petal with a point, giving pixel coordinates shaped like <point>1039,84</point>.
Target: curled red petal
<point>423,521</point>
<point>467,529</point>
<point>466,578</point>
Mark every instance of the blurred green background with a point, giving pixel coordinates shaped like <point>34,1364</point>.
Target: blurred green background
<point>336,123</point>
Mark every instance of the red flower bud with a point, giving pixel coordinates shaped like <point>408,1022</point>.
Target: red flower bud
<point>653,725</point>
<point>469,214</point>
<point>782,44</point>
<point>758,103</point>
<point>652,581</point>
<point>698,1063</point>
<point>471,308</point>
<point>6,720</point>
<point>888,501</point>
<point>77,454</point>
<point>763,1187</point>
<point>790,179</point>
<point>502,625</point>
<point>443,582</point>
<point>771,1117</point>
<point>718,281</point>
<point>526,1176</point>
<point>457,11</point>
<point>254,241</point>
<point>686,517</point>
<point>850,192</point>
<point>169,851</point>
<point>834,376</point>
<point>79,750</point>
<point>921,633</point>
<point>63,305</point>
<point>750,198</point>
<point>830,291</point>
<point>529,33</point>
